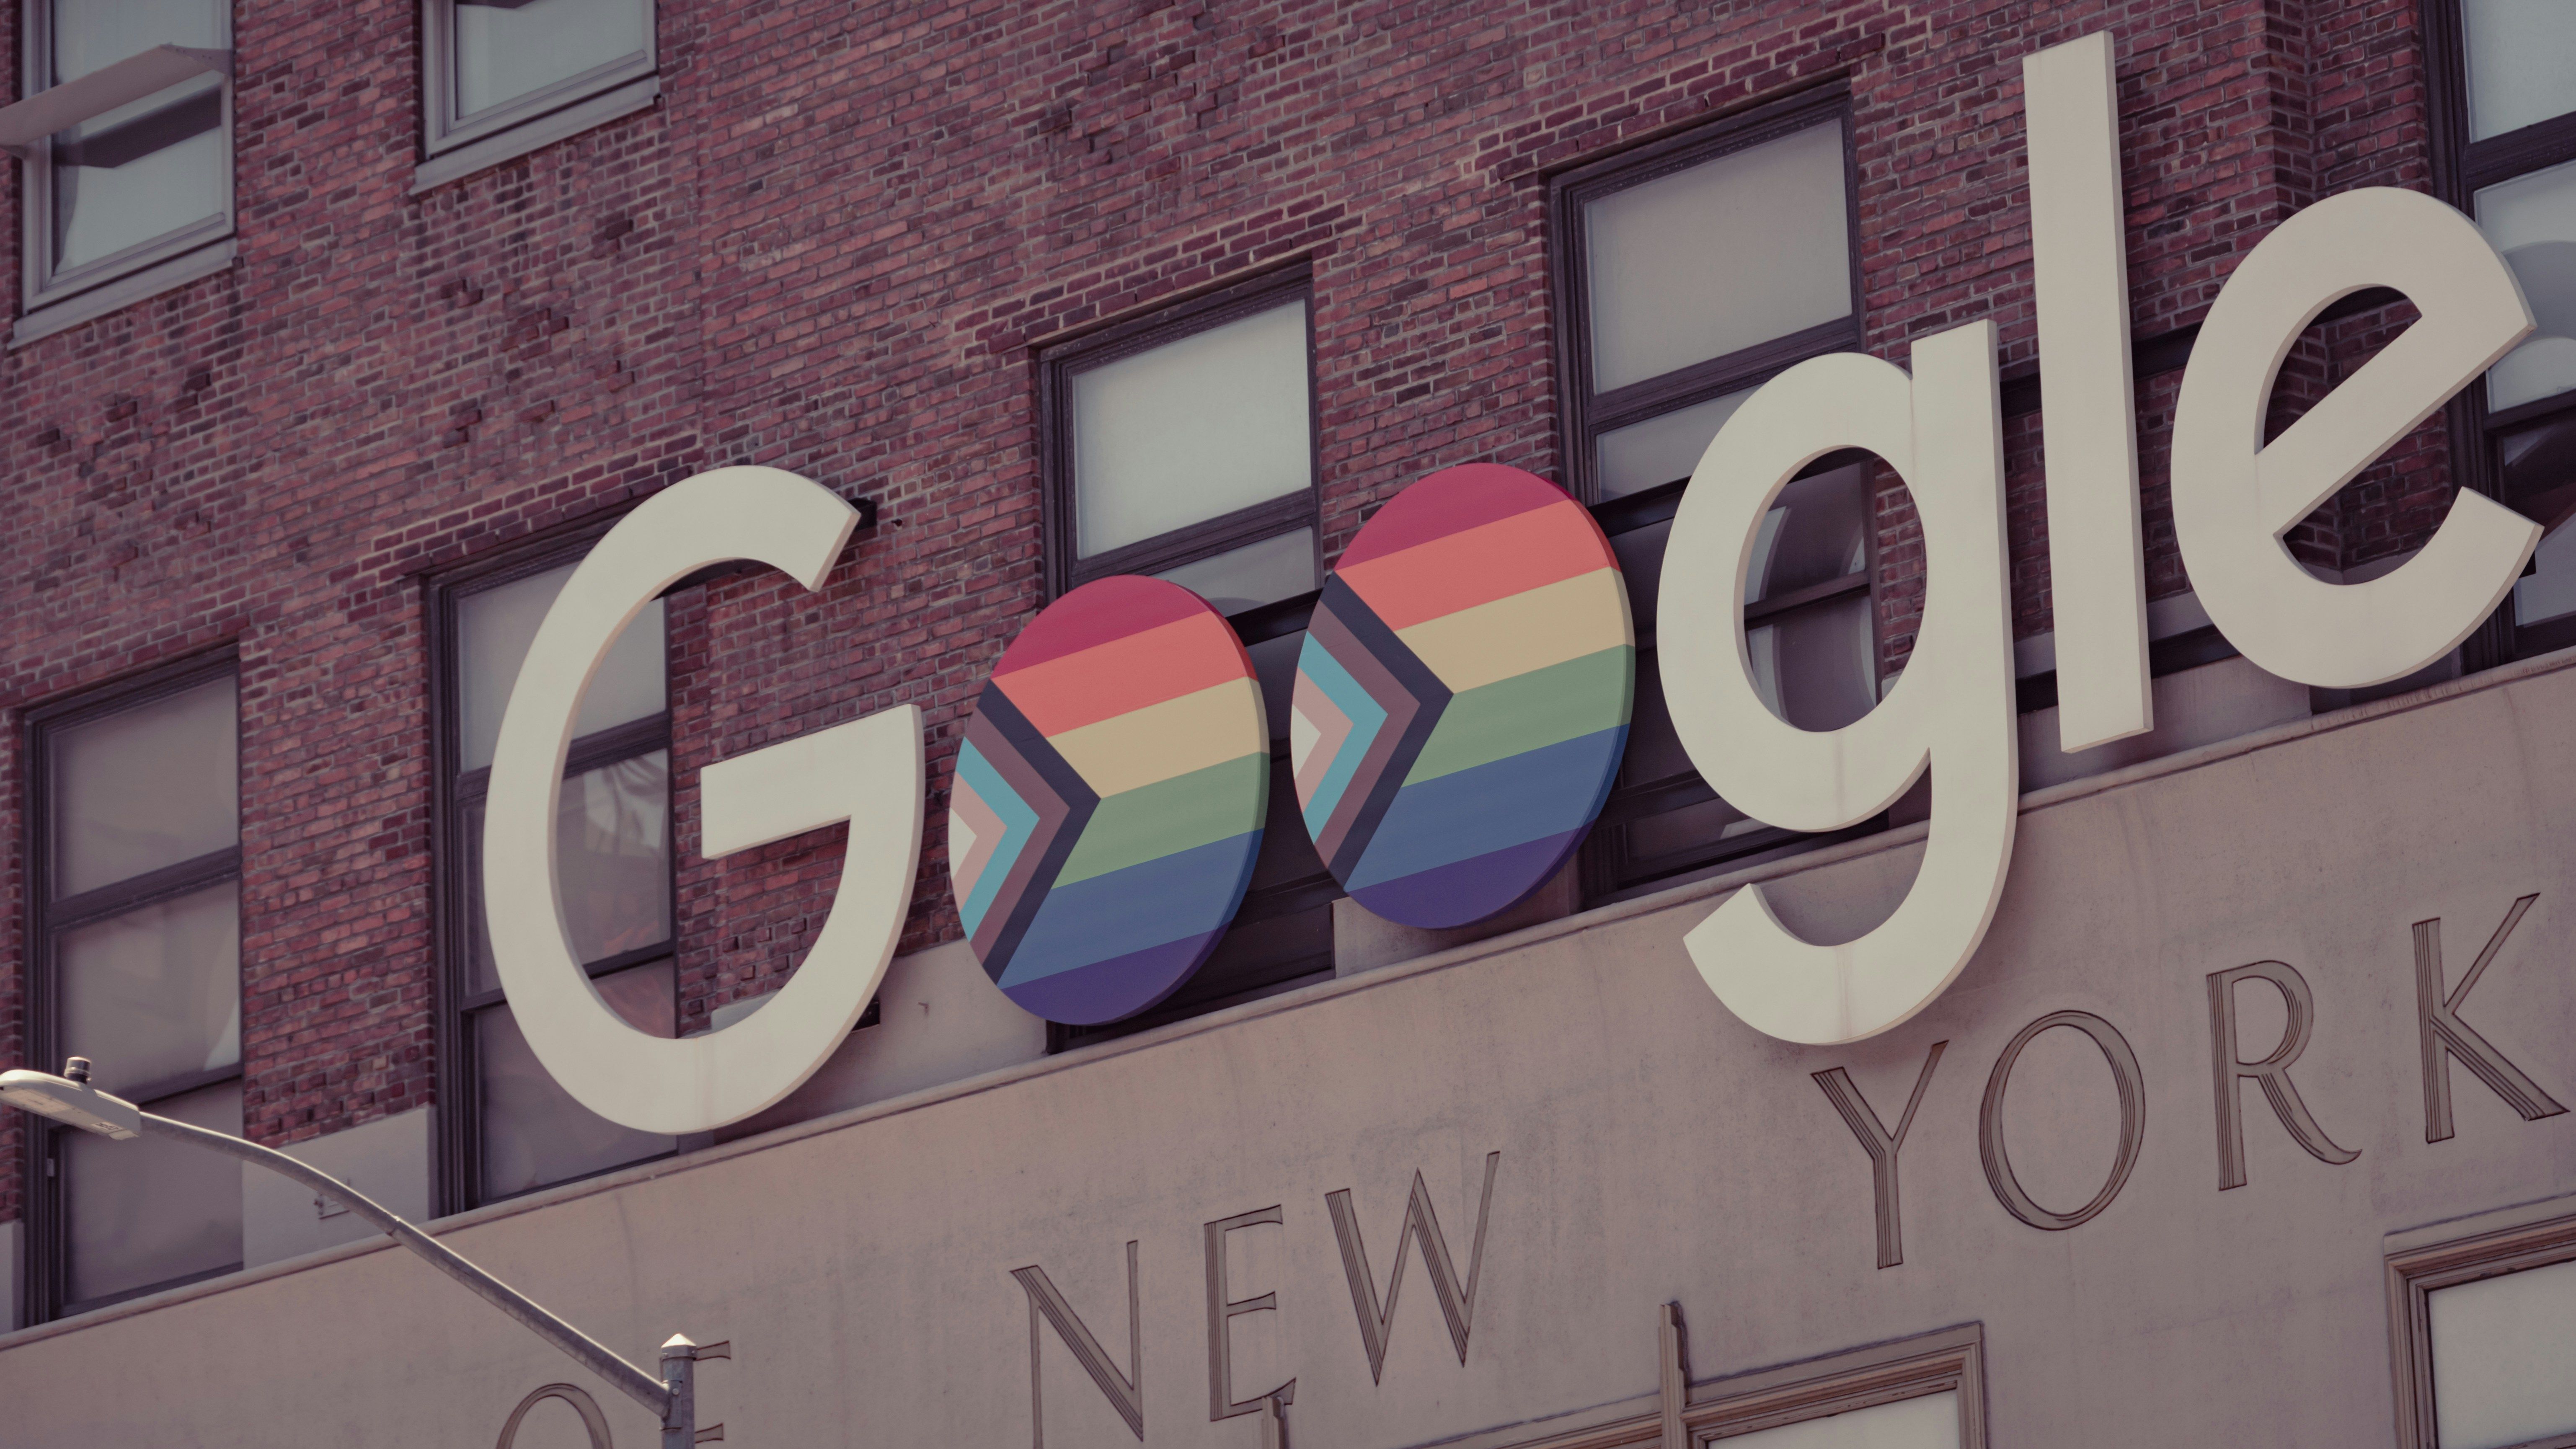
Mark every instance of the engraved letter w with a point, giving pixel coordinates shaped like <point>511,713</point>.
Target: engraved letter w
<point>1457,1303</point>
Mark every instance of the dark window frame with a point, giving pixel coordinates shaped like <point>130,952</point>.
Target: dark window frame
<point>2414,1274</point>
<point>456,799</point>
<point>44,1264</point>
<point>1583,415</point>
<point>1610,869</point>
<point>1056,364</point>
<point>2462,168</point>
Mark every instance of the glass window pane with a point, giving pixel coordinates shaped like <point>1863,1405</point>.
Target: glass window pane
<point>1192,430</point>
<point>2522,63</point>
<point>2550,591</point>
<point>145,787</point>
<point>155,993</point>
<point>1814,666</point>
<point>142,1213</point>
<point>495,627</point>
<point>2532,220</point>
<point>1661,449</point>
<point>506,49</point>
<point>612,861</point>
<point>2504,1358</point>
<point>534,1133</point>
<point>1253,575</point>
<point>1930,1422</point>
<point>151,166</point>
<point>1812,535</point>
<point>1714,259</point>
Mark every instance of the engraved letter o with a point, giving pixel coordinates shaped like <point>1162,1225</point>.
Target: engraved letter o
<point>2133,1121</point>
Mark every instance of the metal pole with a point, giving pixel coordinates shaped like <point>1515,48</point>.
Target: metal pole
<point>675,1403</point>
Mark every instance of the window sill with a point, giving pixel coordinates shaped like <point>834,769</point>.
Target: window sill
<point>124,292</point>
<point>536,134</point>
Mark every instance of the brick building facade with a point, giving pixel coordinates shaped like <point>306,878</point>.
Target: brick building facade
<point>838,242</point>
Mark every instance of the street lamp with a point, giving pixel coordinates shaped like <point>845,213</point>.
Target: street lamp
<point>71,1100</point>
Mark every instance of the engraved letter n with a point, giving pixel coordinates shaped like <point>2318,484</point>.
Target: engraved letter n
<point>1126,1392</point>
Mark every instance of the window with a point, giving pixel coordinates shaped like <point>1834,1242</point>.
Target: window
<point>1687,274</point>
<point>506,1126</point>
<point>2485,1329</point>
<point>1182,445</point>
<point>137,936</point>
<point>2505,152</point>
<point>1923,1392</point>
<point>126,140</point>
<point>501,78</point>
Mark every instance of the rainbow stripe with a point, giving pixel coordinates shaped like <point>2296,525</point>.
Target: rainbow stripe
<point>1462,699</point>
<point>1108,800</point>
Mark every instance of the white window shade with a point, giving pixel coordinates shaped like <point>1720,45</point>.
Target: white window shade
<point>155,994</point>
<point>496,626</point>
<point>1192,430</point>
<point>149,1212</point>
<point>1929,1422</point>
<point>508,52</point>
<point>2504,1358</point>
<point>2532,221</point>
<point>145,165</point>
<point>146,787</point>
<point>1722,256</point>
<point>2522,63</point>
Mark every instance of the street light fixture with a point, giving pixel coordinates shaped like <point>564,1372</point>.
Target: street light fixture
<point>71,1100</point>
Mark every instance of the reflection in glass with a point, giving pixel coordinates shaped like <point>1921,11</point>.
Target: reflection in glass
<point>145,787</point>
<point>1253,575</point>
<point>507,49</point>
<point>2504,1358</point>
<point>2549,592</point>
<point>149,1212</point>
<point>1661,449</point>
<point>534,1133</point>
<point>2532,220</point>
<point>1814,666</point>
<point>495,628</point>
<point>149,167</point>
<point>155,994</point>
<point>1192,430</point>
<point>612,861</point>
<point>1813,534</point>
<point>1719,257</point>
<point>2522,63</point>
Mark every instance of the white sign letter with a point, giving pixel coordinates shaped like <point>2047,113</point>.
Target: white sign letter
<point>2097,580</point>
<point>2234,495</point>
<point>1952,711</point>
<point>868,772</point>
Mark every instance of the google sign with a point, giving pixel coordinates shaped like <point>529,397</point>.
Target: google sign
<point>1463,695</point>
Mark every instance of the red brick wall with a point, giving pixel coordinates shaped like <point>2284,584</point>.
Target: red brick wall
<point>831,249</point>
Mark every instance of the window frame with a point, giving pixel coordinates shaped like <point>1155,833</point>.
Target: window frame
<point>1585,416</point>
<point>173,258</point>
<point>44,1278</point>
<point>1609,870</point>
<point>2488,1246</point>
<point>453,146</point>
<point>456,797</point>
<point>2462,168</point>
<point>1057,363</point>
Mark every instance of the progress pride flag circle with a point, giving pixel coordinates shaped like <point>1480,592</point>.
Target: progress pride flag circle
<point>1108,800</point>
<point>1463,696</point>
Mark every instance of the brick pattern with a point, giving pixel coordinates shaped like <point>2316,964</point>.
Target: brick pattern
<point>832,247</point>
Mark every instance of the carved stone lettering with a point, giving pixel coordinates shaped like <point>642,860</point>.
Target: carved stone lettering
<point>1222,1311</point>
<point>2133,1121</point>
<point>1457,1301</point>
<point>2446,1036</point>
<point>1881,1145</point>
<point>2273,1071</point>
<point>1126,1392</point>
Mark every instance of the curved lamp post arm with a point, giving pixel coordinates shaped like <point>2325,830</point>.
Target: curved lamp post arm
<point>634,1382</point>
